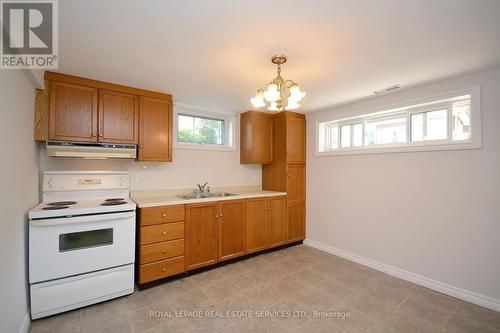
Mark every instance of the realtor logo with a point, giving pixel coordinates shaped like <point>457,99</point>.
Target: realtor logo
<point>29,34</point>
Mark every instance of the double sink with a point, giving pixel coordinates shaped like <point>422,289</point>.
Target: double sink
<point>205,195</point>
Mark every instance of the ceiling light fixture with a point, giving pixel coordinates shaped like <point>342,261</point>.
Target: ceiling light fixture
<point>276,93</point>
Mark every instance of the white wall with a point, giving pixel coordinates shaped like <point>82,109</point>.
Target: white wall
<point>189,167</point>
<point>19,193</point>
<point>435,214</point>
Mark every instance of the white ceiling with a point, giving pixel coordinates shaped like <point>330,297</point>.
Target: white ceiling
<point>215,54</point>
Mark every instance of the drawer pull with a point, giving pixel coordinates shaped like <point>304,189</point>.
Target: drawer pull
<point>163,251</point>
<point>163,269</point>
<point>164,215</point>
<point>164,233</point>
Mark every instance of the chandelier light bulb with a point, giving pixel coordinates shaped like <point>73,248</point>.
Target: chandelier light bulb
<point>273,107</point>
<point>258,100</point>
<point>292,104</point>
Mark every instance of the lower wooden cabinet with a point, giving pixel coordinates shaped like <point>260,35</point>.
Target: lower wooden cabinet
<point>296,221</point>
<point>201,235</point>
<point>231,229</point>
<point>161,269</point>
<point>276,221</point>
<point>256,230</point>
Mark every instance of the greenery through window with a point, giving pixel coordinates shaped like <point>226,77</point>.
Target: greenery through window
<point>200,130</point>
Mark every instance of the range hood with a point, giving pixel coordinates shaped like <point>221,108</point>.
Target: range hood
<point>90,150</point>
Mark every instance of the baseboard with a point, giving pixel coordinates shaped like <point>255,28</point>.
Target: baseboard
<point>468,296</point>
<point>25,326</point>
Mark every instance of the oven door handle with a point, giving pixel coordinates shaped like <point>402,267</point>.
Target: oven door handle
<point>81,219</point>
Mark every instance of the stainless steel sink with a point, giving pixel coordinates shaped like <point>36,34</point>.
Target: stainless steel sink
<point>207,195</point>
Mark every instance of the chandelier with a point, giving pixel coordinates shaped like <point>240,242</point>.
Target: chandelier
<point>279,91</point>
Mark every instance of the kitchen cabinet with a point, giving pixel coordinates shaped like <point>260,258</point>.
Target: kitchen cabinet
<point>231,221</point>
<point>201,235</point>
<point>155,130</point>
<point>287,173</point>
<point>256,144</point>
<point>118,117</point>
<point>256,224</point>
<point>276,221</point>
<point>72,112</point>
<point>161,242</point>
<point>85,110</point>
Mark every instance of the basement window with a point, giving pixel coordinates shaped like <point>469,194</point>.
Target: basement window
<point>200,130</point>
<point>449,121</point>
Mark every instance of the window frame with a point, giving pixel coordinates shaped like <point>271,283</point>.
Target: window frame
<point>409,107</point>
<point>230,126</point>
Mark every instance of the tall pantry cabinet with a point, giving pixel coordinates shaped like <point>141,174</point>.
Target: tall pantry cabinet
<point>287,172</point>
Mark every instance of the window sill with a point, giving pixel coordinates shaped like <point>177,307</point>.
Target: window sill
<point>406,149</point>
<point>181,146</point>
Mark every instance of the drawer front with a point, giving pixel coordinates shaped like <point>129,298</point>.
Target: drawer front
<point>161,251</point>
<point>161,233</point>
<point>161,269</point>
<point>159,215</point>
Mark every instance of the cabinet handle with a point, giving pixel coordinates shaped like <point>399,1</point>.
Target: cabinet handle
<point>216,215</point>
<point>220,215</point>
<point>164,233</point>
<point>164,215</point>
<point>163,251</point>
<point>141,146</point>
<point>163,269</point>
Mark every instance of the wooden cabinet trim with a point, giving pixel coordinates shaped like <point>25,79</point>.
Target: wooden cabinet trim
<point>104,85</point>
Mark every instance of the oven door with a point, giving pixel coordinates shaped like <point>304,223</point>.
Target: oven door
<point>70,246</point>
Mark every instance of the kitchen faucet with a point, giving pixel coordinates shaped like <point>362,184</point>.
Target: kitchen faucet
<point>203,188</point>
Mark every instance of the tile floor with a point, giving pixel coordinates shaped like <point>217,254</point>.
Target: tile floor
<point>287,288</point>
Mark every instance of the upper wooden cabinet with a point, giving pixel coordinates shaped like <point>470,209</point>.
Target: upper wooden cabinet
<point>72,112</point>
<point>85,110</point>
<point>296,138</point>
<point>118,117</point>
<point>155,130</point>
<point>256,144</point>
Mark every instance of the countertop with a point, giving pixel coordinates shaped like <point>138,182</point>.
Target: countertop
<point>155,198</point>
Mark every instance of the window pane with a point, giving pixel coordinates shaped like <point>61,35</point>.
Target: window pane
<point>429,125</point>
<point>345,136</point>
<point>461,120</point>
<point>332,136</point>
<point>384,131</point>
<point>357,139</point>
<point>200,130</point>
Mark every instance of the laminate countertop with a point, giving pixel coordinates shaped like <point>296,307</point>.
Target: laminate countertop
<point>156,198</point>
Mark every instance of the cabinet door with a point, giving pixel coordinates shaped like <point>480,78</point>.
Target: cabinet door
<point>155,130</point>
<point>276,224</point>
<point>231,229</point>
<point>296,182</point>
<point>296,139</point>
<point>118,117</point>
<point>201,235</point>
<point>296,221</point>
<point>72,112</point>
<point>262,139</point>
<point>255,217</point>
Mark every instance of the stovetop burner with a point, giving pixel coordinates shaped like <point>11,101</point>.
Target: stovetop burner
<point>113,203</point>
<point>54,207</point>
<point>62,203</point>
<point>114,199</point>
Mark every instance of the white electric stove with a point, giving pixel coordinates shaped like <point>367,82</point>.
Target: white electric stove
<point>81,241</point>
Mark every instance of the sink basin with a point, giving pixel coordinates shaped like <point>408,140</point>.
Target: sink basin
<point>208,195</point>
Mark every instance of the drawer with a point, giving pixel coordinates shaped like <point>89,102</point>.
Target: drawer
<point>159,215</point>
<point>161,233</point>
<point>161,251</point>
<point>161,269</point>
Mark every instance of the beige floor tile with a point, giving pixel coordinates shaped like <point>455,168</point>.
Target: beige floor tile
<point>232,270</point>
<point>310,277</point>
<point>117,324</point>
<point>64,322</point>
<point>319,300</point>
<point>103,311</point>
<point>403,322</point>
<point>357,322</point>
<point>289,266</point>
<point>152,316</point>
<point>177,287</point>
<point>446,302</point>
<point>319,326</point>
<point>144,298</point>
<point>478,313</point>
<point>433,313</point>
<point>192,300</point>
<point>374,307</point>
<point>263,296</point>
<point>336,288</point>
<point>291,313</point>
<point>222,290</point>
<point>459,324</point>
<point>248,280</point>
<point>254,325</point>
<point>388,295</point>
<point>402,286</point>
<point>206,278</point>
